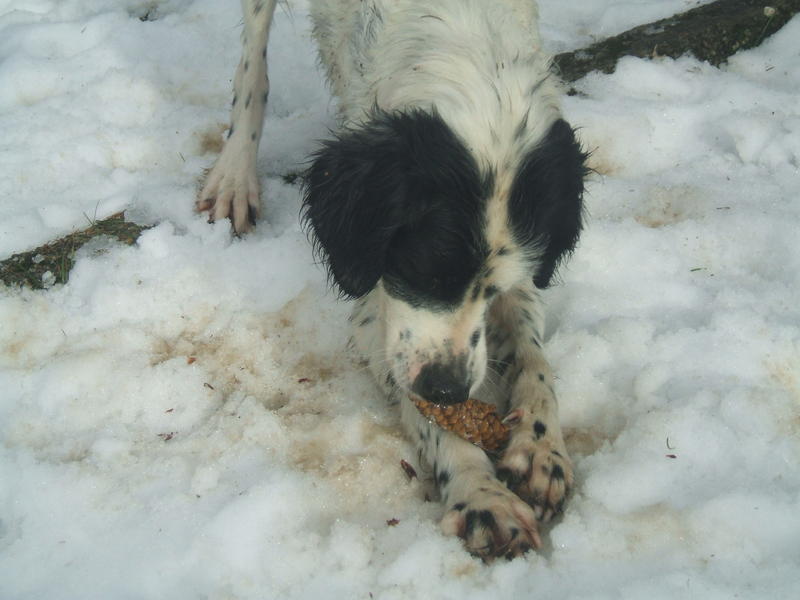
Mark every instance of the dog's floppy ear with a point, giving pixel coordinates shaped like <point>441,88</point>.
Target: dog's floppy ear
<point>369,182</point>
<point>546,202</point>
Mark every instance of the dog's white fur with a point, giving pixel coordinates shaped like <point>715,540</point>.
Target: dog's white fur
<point>479,65</point>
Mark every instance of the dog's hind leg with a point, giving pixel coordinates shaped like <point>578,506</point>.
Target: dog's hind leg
<point>231,189</point>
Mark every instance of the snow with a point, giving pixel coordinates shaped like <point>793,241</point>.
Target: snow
<point>183,418</point>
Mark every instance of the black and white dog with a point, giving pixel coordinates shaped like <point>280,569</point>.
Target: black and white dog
<point>444,204</point>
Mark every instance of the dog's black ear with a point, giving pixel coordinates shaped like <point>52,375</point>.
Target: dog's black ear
<point>370,182</point>
<point>546,201</point>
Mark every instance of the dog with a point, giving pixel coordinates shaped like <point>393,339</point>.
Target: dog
<point>443,205</point>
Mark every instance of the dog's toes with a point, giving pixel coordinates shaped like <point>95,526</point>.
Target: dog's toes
<point>204,204</point>
<point>539,474</point>
<point>245,207</point>
<point>233,195</point>
<point>493,523</point>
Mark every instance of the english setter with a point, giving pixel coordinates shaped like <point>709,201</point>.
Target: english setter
<point>443,205</point>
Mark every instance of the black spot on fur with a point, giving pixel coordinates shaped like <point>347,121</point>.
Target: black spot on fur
<point>443,478</point>
<point>390,380</point>
<point>475,338</point>
<point>509,477</point>
<point>539,429</point>
<point>399,197</point>
<point>476,291</point>
<point>557,472</point>
<point>469,523</point>
<point>541,376</point>
<point>505,363</point>
<point>487,519</point>
<point>482,518</point>
<point>545,205</point>
<point>490,291</point>
<point>460,506</point>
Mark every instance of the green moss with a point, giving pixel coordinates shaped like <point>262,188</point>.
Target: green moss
<point>30,269</point>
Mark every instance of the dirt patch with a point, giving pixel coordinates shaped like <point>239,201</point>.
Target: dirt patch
<point>601,165</point>
<point>314,368</point>
<point>665,206</point>
<point>786,376</point>
<point>212,140</point>
<point>583,442</point>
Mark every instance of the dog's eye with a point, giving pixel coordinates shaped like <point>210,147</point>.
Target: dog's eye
<point>435,267</point>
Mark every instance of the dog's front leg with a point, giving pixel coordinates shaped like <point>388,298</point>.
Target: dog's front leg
<point>479,508</point>
<point>231,189</point>
<point>535,463</point>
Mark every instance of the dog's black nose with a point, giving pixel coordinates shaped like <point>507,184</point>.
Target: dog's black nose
<point>442,384</point>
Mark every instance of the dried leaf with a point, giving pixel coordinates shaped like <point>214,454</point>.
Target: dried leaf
<point>410,472</point>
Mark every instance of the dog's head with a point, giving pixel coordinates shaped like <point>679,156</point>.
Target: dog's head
<point>400,206</point>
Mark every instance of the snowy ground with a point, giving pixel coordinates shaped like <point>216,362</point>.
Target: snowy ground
<point>182,419</point>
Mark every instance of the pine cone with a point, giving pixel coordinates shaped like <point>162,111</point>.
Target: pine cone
<point>473,420</point>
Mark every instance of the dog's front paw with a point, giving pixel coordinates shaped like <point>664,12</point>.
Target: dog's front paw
<point>231,192</point>
<point>538,471</point>
<point>493,522</point>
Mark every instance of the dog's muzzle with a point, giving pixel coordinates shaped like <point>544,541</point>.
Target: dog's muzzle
<point>443,383</point>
